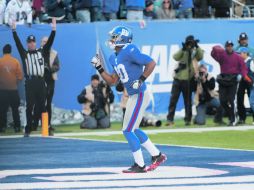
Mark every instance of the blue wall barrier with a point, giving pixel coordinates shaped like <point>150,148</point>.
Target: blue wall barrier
<point>77,43</point>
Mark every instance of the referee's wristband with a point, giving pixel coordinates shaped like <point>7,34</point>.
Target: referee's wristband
<point>142,78</point>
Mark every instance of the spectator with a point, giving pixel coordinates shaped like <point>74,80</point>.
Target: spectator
<point>166,10</point>
<point>10,75</point>
<point>110,9</point>
<point>232,66</point>
<point>38,9</point>
<point>19,11</point>
<point>135,9</point>
<point>96,98</point>
<point>82,9</point>
<point>187,69</point>
<point>35,84</point>
<point>2,9</point>
<point>55,8</point>
<point>222,8</point>
<point>244,85</point>
<point>202,8</point>
<point>95,10</point>
<point>206,97</point>
<point>183,8</point>
<point>148,12</point>
<point>50,77</point>
<point>243,41</point>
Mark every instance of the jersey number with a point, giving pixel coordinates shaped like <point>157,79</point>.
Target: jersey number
<point>122,73</point>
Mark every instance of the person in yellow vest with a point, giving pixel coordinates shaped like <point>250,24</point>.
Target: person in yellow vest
<point>10,75</point>
<point>96,99</point>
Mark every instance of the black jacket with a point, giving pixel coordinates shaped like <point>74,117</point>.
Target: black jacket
<point>55,9</point>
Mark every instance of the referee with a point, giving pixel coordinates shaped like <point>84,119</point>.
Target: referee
<point>34,61</point>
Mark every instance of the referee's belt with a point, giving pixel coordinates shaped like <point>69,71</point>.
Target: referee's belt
<point>34,77</point>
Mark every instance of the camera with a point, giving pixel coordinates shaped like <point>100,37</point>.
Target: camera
<point>190,43</point>
<point>201,74</point>
<point>150,122</point>
<point>180,67</point>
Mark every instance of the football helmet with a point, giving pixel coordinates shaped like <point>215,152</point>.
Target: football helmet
<point>119,36</point>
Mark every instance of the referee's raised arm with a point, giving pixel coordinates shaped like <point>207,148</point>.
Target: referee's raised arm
<point>19,45</point>
<point>50,41</point>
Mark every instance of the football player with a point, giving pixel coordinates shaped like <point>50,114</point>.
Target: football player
<point>132,67</point>
<point>19,11</point>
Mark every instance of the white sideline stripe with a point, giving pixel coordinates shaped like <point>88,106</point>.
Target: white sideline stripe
<point>238,164</point>
<point>175,171</point>
<point>151,131</point>
<point>162,172</point>
<point>132,183</point>
<point>161,144</point>
<point>203,187</point>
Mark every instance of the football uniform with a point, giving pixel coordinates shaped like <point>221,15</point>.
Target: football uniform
<point>2,8</point>
<point>20,11</point>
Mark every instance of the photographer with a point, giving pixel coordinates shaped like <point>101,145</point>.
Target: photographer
<point>184,79</point>
<point>96,99</point>
<point>205,97</point>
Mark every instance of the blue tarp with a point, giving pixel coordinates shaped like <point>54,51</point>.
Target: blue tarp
<point>77,43</point>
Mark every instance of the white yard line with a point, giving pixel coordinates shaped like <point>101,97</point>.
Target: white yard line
<point>154,131</point>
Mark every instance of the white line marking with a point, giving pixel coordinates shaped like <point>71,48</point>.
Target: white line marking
<point>151,131</point>
<point>161,144</point>
<point>131,183</point>
<point>239,164</point>
<point>166,171</point>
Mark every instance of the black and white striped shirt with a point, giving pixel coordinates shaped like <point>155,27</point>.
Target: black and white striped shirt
<point>34,62</point>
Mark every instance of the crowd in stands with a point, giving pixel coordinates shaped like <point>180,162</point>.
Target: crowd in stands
<point>39,11</point>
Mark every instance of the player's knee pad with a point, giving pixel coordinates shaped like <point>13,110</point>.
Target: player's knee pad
<point>141,135</point>
<point>132,140</point>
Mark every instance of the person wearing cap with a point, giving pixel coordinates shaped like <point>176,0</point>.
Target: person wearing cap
<point>148,12</point>
<point>10,75</point>
<point>244,85</point>
<point>243,41</point>
<point>232,69</point>
<point>34,61</point>
<point>184,79</point>
<point>50,76</point>
<point>96,98</point>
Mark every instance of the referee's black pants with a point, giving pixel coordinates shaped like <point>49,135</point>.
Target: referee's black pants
<point>9,98</point>
<point>227,95</point>
<point>35,98</point>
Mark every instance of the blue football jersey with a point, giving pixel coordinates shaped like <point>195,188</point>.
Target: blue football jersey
<point>129,63</point>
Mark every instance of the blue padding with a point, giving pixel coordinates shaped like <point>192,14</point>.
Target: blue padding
<point>141,135</point>
<point>132,140</point>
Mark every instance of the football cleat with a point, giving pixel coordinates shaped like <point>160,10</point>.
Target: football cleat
<point>157,161</point>
<point>135,169</point>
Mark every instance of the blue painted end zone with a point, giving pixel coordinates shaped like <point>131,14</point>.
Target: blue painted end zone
<point>52,153</point>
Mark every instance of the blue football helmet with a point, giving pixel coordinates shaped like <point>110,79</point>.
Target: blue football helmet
<point>120,36</point>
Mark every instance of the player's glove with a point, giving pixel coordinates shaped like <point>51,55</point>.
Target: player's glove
<point>97,63</point>
<point>137,83</point>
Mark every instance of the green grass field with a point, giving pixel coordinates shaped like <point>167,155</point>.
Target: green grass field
<point>220,139</point>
